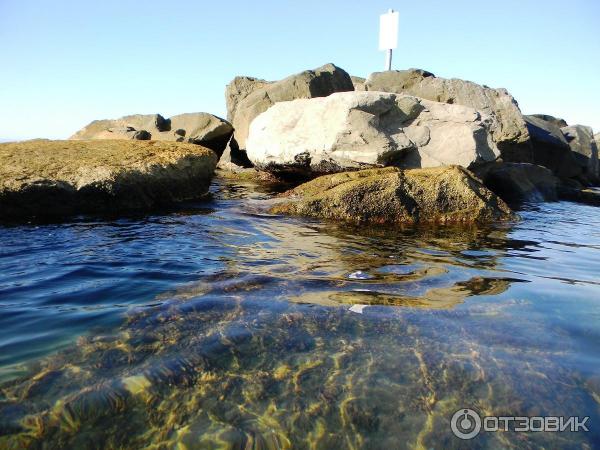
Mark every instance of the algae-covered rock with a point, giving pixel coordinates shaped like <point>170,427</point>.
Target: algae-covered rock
<point>389,195</point>
<point>57,178</point>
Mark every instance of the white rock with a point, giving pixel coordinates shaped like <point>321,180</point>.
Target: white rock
<point>349,130</point>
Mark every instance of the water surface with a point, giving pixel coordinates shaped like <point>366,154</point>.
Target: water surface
<point>221,326</point>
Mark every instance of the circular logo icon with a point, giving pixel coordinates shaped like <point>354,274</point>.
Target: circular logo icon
<point>465,424</point>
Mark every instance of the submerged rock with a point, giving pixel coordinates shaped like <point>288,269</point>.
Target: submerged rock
<point>248,97</point>
<point>196,128</point>
<point>352,130</point>
<point>508,127</point>
<point>437,195</point>
<point>518,182</point>
<point>57,178</point>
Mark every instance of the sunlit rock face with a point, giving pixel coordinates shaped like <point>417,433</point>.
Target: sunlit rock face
<point>444,195</point>
<point>353,130</point>
<point>42,178</point>
<point>508,127</point>
<point>248,97</point>
<point>199,128</point>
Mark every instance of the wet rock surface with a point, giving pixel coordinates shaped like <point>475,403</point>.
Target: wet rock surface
<point>439,195</point>
<point>274,332</point>
<point>520,182</point>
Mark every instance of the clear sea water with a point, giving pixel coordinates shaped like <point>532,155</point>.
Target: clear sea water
<point>218,325</point>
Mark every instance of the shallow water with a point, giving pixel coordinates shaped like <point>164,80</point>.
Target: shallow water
<point>220,326</point>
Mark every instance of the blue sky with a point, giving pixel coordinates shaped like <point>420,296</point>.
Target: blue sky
<point>65,63</point>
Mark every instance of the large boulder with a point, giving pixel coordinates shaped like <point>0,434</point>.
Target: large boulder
<point>351,130</point>
<point>58,178</point>
<point>508,126</point>
<point>248,97</point>
<point>550,147</point>
<point>581,140</point>
<point>443,195</point>
<point>238,89</point>
<point>519,182</point>
<point>197,128</point>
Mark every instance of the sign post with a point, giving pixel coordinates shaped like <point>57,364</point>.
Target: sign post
<point>388,35</point>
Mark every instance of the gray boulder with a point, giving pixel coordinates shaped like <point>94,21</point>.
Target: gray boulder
<point>197,128</point>
<point>238,89</point>
<point>233,159</point>
<point>560,123</point>
<point>581,140</point>
<point>519,182</point>
<point>358,83</point>
<point>351,130</point>
<point>248,97</point>
<point>508,128</point>
<point>550,147</point>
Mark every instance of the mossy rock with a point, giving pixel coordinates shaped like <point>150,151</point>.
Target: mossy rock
<point>441,195</point>
<point>58,178</point>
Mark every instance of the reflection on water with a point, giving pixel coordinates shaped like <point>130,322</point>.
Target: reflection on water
<point>230,328</point>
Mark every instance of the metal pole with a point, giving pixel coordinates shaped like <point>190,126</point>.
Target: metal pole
<point>388,59</point>
<point>388,56</point>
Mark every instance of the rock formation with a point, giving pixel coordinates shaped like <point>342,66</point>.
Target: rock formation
<point>550,148</point>
<point>59,178</point>
<point>508,126</point>
<point>583,145</point>
<point>444,195</point>
<point>196,128</point>
<point>248,97</point>
<point>353,130</point>
<point>519,182</point>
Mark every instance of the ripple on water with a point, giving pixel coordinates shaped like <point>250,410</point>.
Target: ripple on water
<point>234,329</point>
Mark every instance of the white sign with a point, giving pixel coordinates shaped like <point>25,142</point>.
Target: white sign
<point>388,30</point>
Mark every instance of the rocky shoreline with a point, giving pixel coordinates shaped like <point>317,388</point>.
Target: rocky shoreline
<point>436,150</point>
